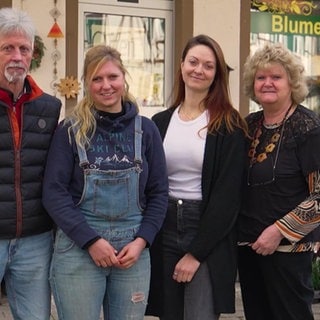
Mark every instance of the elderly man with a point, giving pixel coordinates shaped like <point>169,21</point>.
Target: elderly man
<point>28,118</point>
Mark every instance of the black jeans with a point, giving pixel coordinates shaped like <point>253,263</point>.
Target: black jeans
<point>277,286</point>
<point>184,301</point>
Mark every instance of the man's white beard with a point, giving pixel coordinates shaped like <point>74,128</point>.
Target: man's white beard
<point>15,76</point>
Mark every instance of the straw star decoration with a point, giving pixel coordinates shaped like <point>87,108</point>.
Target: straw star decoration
<point>69,87</point>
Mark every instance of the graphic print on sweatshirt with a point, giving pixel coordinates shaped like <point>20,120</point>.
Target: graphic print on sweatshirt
<point>111,150</point>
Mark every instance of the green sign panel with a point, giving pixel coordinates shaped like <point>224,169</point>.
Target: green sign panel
<point>263,22</point>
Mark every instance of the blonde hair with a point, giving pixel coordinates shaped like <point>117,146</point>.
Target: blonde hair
<point>276,53</point>
<point>82,116</point>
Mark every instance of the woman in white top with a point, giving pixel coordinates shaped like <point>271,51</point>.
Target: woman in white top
<point>194,259</point>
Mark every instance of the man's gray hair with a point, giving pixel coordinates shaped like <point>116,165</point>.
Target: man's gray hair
<point>14,21</point>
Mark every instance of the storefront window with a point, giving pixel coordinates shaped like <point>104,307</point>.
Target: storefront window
<point>142,31</point>
<point>141,41</point>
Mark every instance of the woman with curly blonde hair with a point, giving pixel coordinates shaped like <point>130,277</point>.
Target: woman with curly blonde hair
<point>280,211</point>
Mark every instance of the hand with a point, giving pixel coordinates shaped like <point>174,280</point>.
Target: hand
<point>130,253</point>
<point>103,254</point>
<point>268,241</point>
<point>186,268</point>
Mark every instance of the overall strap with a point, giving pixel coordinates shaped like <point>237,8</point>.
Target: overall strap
<point>137,141</point>
<point>83,160</point>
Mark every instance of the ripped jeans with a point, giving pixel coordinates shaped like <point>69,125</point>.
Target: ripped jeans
<point>80,288</point>
<point>110,203</point>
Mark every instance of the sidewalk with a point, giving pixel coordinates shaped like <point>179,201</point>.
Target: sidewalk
<point>6,315</point>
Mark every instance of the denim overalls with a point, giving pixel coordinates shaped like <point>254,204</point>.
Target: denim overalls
<point>110,203</point>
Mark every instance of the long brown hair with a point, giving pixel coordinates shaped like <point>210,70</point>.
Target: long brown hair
<point>217,101</point>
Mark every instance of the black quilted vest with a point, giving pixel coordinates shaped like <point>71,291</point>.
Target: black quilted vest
<point>21,169</point>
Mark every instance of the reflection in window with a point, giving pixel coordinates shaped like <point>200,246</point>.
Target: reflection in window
<point>141,41</point>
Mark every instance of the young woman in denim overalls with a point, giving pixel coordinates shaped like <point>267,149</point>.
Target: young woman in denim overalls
<point>106,189</point>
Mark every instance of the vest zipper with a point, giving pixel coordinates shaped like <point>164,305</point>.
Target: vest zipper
<point>17,168</point>
<point>17,184</point>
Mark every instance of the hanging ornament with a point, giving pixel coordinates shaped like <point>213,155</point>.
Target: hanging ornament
<point>55,33</point>
<point>69,87</point>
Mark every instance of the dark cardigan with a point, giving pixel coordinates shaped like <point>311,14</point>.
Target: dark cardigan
<point>222,178</point>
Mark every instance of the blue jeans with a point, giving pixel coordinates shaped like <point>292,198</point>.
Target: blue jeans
<point>80,288</point>
<point>110,205</point>
<point>24,264</point>
<point>184,301</point>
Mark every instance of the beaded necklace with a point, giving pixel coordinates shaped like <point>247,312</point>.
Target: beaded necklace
<point>271,144</point>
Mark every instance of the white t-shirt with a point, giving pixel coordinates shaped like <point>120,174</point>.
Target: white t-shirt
<point>184,145</point>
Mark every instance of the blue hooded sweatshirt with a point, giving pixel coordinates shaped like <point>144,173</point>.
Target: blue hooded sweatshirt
<point>113,139</point>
